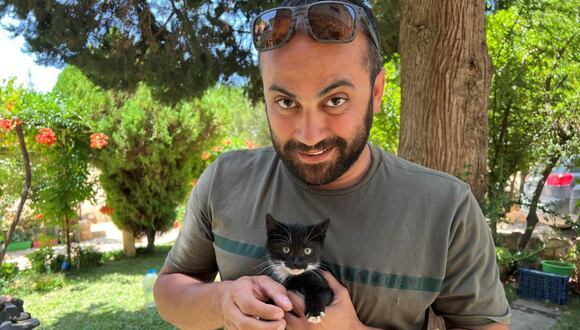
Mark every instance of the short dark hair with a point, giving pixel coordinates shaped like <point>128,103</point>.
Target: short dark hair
<point>373,61</point>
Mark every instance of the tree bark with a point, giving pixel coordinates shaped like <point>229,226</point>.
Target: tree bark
<point>129,243</point>
<point>25,190</point>
<point>150,240</point>
<point>445,81</point>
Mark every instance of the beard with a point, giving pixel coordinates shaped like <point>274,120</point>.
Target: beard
<point>325,172</point>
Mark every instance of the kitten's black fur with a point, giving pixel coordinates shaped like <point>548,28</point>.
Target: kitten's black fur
<point>295,252</point>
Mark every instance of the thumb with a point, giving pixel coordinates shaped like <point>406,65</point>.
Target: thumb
<point>275,291</point>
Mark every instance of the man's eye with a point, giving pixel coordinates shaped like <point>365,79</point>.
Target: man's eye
<point>286,103</point>
<point>336,102</point>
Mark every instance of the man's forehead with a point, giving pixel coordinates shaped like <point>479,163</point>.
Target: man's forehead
<point>309,57</point>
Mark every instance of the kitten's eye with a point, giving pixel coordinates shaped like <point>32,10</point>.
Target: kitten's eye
<point>307,251</point>
<point>286,249</point>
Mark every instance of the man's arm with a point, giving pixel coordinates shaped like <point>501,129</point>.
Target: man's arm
<point>497,326</point>
<point>190,303</point>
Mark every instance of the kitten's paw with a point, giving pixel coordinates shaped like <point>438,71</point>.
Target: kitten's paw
<point>315,317</point>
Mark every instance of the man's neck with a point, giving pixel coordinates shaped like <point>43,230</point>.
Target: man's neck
<point>354,174</point>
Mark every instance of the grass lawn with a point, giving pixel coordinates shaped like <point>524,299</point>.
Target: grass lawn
<point>571,317</point>
<point>104,297</point>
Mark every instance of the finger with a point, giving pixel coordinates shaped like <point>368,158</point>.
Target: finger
<point>339,290</point>
<point>293,321</point>
<point>332,282</point>
<point>241,321</point>
<point>248,304</point>
<point>298,303</point>
<point>275,291</point>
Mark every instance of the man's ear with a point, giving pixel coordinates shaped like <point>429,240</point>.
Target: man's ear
<point>378,90</point>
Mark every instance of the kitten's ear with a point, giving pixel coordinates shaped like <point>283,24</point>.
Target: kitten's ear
<point>320,230</point>
<point>271,223</point>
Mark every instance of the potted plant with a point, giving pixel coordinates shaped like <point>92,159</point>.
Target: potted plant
<point>44,240</point>
<point>20,240</point>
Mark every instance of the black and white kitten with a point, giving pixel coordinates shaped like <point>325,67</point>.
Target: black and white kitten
<point>295,251</point>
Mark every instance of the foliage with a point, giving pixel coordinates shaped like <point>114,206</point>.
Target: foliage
<point>385,129</point>
<point>153,148</point>
<point>58,141</point>
<point>571,316</point>
<point>87,257</point>
<point>534,97</point>
<point>236,117</point>
<point>42,259</point>
<point>180,49</point>
<point>8,272</point>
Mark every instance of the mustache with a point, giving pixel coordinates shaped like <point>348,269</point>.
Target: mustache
<point>297,146</point>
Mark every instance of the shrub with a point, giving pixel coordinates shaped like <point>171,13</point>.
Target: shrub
<point>87,257</point>
<point>41,259</point>
<point>45,282</point>
<point>8,272</point>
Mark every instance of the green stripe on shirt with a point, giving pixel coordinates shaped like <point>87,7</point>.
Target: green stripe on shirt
<point>351,274</point>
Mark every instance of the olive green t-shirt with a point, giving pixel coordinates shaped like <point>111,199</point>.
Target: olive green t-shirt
<point>402,239</point>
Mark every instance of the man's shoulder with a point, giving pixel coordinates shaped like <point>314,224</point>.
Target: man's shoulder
<point>416,175</point>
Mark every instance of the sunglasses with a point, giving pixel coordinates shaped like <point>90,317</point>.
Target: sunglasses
<point>325,21</point>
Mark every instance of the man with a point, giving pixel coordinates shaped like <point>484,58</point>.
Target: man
<point>402,238</point>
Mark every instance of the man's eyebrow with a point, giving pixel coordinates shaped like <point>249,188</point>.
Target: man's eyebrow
<point>336,84</point>
<point>276,88</point>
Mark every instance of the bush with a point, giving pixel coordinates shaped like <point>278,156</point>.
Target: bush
<point>8,272</point>
<point>112,255</point>
<point>88,257</point>
<point>41,260</point>
<point>45,282</point>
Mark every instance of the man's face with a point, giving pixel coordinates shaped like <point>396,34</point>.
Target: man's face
<point>320,104</point>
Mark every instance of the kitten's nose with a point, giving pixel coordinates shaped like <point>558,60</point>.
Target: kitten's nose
<point>298,263</point>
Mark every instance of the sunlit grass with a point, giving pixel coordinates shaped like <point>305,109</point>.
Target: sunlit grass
<point>105,297</point>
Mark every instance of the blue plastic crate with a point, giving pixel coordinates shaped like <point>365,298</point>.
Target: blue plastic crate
<point>543,286</point>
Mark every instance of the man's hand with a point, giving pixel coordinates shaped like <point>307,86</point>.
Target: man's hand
<point>339,315</point>
<point>244,307</point>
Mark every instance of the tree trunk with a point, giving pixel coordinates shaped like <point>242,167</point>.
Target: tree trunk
<point>68,241</point>
<point>532,218</point>
<point>128,243</point>
<point>445,80</point>
<point>25,190</point>
<point>150,240</point>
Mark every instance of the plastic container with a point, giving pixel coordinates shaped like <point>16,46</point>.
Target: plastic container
<point>148,283</point>
<point>556,267</point>
<point>543,286</point>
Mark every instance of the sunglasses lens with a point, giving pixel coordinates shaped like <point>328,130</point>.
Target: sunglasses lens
<point>272,28</point>
<point>332,22</point>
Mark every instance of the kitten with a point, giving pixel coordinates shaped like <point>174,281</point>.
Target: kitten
<point>294,252</point>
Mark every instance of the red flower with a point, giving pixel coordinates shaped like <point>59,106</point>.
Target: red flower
<point>99,140</point>
<point>46,136</point>
<point>39,216</point>
<point>106,210</point>
<point>5,124</point>
<point>205,155</point>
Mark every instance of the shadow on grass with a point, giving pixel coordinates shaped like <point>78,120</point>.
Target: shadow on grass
<point>101,316</point>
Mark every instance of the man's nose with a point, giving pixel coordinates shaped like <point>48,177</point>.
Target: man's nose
<point>311,127</point>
